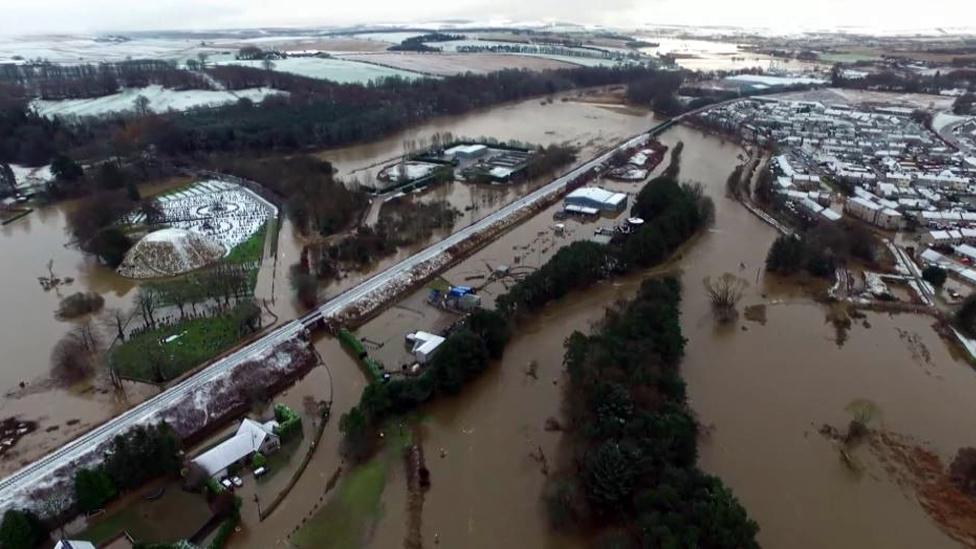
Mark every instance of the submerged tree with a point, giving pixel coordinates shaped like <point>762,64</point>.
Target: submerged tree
<point>725,292</point>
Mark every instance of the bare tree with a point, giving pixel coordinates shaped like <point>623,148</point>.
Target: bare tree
<point>268,64</point>
<point>73,356</point>
<point>147,302</point>
<point>725,292</point>
<point>202,57</point>
<point>141,104</point>
<point>116,319</point>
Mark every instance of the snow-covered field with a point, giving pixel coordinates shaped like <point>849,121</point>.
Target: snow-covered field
<point>447,64</point>
<point>227,213</point>
<point>387,37</point>
<point>160,100</point>
<point>776,80</point>
<point>344,71</point>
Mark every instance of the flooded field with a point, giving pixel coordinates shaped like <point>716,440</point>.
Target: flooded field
<point>762,391</point>
<point>31,330</point>
<point>712,55</point>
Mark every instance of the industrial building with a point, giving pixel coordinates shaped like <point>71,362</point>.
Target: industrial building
<point>465,152</point>
<point>592,200</point>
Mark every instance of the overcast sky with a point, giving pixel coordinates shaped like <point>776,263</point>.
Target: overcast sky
<point>87,16</point>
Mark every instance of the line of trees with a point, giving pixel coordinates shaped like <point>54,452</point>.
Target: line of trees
<point>60,81</point>
<point>319,113</point>
<point>633,479</point>
<point>134,458</point>
<point>672,213</point>
<point>417,43</point>
<point>465,353</point>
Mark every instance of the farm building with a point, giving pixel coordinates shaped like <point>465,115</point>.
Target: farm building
<point>596,198</point>
<point>251,437</point>
<point>424,344</point>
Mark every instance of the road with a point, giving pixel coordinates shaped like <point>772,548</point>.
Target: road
<point>37,473</point>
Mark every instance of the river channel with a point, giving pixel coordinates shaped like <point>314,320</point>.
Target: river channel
<point>762,391</point>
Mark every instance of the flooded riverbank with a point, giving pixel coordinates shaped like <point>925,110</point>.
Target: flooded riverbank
<point>31,329</point>
<point>761,391</point>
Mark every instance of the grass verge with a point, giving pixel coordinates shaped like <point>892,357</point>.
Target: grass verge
<point>147,357</point>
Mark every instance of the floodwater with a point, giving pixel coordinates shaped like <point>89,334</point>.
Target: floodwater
<point>761,391</point>
<point>30,331</point>
<point>592,127</point>
<point>712,55</point>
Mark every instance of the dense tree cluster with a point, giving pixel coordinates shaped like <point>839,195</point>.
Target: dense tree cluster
<point>142,454</point>
<point>904,81</point>
<point>965,316</point>
<point>549,159</point>
<point>316,202</point>
<point>671,212</point>
<point>657,90</point>
<point>935,275</point>
<point>319,113</point>
<point>92,224</point>
<point>821,249</point>
<point>25,137</point>
<point>634,476</point>
<point>418,43</point>
<point>21,530</point>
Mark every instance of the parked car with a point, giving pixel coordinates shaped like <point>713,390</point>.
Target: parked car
<point>237,481</point>
<point>259,472</point>
<point>226,483</point>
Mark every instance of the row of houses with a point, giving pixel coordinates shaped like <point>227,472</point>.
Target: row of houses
<point>883,150</point>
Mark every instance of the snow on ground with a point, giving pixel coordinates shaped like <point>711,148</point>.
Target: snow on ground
<point>410,171</point>
<point>225,212</point>
<point>344,71</point>
<point>160,100</point>
<point>943,119</point>
<point>31,177</point>
<point>388,37</point>
<point>447,64</point>
<point>170,252</point>
<point>776,80</point>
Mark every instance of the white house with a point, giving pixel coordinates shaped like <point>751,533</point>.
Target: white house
<point>424,344</point>
<point>251,437</point>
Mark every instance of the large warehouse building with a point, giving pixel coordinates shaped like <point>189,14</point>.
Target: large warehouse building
<point>595,199</point>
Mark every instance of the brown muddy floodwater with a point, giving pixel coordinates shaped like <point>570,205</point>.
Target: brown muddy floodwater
<point>761,392</point>
<point>589,126</point>
<point>29,330</point>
